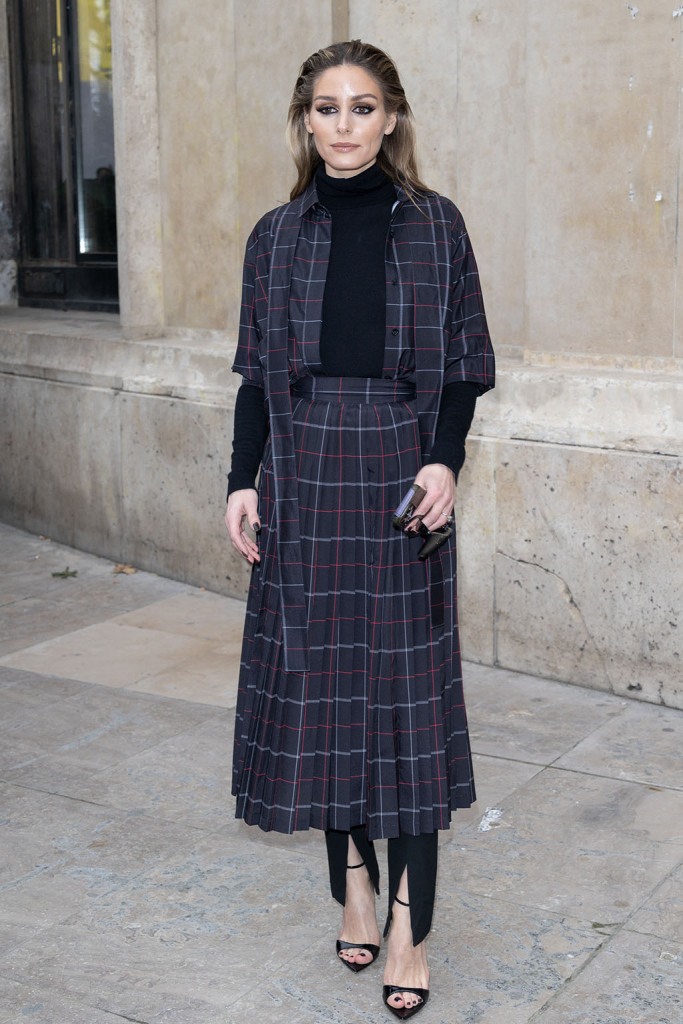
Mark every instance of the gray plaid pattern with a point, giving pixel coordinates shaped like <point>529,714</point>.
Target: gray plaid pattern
<point>350,707</point>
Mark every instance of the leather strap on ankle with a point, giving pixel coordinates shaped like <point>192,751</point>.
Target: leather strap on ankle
<point>352,867</point>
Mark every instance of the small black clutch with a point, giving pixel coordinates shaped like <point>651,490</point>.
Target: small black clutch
<point>405,513</point>
<point>406,510</point>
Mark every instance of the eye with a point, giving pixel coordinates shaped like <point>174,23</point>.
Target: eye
<point>362,108</point>
<point>327,109</point>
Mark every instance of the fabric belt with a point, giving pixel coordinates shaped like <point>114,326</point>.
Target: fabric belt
<point>354,390</point>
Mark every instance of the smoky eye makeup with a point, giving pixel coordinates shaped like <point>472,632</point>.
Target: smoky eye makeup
<point>359,108</point>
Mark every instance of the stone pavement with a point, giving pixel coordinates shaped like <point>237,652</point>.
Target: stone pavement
<point>129,893</point>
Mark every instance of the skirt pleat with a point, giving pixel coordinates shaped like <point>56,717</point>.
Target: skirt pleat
<point>375,732</point>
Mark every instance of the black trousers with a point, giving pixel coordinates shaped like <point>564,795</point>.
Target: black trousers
<point>417,854</point>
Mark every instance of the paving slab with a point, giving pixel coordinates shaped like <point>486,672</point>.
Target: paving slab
<point>637,979</point>
<point>33,689</point>
<point>529,955</point>
<point>662,912</point>
<point>130,892</point>
<point>100,727</point>
<point>36,606</point>
<point>70,857</point>
<point>524,718</point>
<point>184,777</point>
<point>590,847</point>
<point>497,778</point>
<point>643,744</point>
<point>176,930</point>
<point>194,613</point>
<point>108,653</point>
<point>208,679</point>
<point>33,1005</point>
<point>36,1005</point>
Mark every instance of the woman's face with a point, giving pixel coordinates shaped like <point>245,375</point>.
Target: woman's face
<point>347,120</point>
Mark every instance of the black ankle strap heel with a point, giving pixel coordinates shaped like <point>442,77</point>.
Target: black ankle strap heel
<point>404,1012</point>
<point>342,945</point>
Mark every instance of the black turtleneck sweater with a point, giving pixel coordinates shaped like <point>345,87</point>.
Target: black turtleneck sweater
<point>354,303</point>
<point>353,322</point>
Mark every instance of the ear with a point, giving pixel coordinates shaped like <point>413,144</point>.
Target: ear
<point>391,124</point>
<point>307,122</point>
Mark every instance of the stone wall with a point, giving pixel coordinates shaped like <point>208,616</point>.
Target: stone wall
<point>557,129</point>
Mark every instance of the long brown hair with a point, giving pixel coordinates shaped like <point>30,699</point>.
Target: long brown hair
<point>397,155</point>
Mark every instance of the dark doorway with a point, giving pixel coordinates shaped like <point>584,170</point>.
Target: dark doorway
<point>65,164</point>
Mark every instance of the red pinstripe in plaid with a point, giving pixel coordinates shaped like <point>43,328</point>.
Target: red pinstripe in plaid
<point>350,707</point>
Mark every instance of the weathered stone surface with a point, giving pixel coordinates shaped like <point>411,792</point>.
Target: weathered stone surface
<point>603,144</point>
<point>36,606</point>
<point>640,747</point>
<point>8,280</point>
<point>199,171</point>
<point>475,515</point>
<point>531,720</point>
<point>636,980</point>
<point>129,890</point>
<point>262,89</point>
<point>635,408</point>
<point>593,848</point>
<point>99,727</point>
<point>138,170</point>
<point>662,914</point>
<point>586,587</point>
<point>180,449</point>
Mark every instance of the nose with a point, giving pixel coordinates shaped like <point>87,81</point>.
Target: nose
<point>343,127</point>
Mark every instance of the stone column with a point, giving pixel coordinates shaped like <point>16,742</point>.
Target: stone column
<point>138,179</point>
<point>8,238</point>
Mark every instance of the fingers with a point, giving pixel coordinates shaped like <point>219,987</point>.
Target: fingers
<point>438,503</point>
<point>241,514</point>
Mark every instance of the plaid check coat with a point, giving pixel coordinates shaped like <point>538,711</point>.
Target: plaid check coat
<point>350,707</point>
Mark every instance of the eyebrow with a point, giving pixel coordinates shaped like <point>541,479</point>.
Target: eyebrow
<point>360,96</point>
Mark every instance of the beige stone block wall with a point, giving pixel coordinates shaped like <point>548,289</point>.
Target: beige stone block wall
<point>569,565</point>
<point>587,577</point>
<point>476,544</point>
<point>118,463</point>
<point>557,129</point>
<point>490,132</point>
<point>569,555</point>
<point>225,77</point>
<point>62,444</point>
<point>173,455</point>
<point>263,88</point>
<point>463,67</point>
<point>138,181</point>
<point>604,153</point>
<point>199,182</point>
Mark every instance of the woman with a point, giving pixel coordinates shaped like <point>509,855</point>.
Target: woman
<point>363,347</point>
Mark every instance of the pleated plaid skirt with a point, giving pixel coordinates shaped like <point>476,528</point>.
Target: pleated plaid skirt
<point>375,733</point>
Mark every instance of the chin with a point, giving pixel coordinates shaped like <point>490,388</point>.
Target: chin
<point>349,166</point>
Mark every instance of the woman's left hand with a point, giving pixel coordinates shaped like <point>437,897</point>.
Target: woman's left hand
<point>438,503</point>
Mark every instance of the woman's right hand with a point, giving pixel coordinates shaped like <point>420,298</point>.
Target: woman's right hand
<point>242,510</point>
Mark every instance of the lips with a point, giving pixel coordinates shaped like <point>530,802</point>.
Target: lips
<point>344,147</point>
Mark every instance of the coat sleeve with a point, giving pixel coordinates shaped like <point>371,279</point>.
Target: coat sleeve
<point>469,352</point>
<point>247,356</point>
